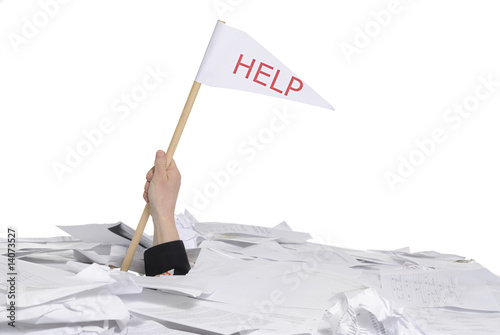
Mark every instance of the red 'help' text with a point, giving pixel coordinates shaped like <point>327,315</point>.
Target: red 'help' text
<point>295,84</point>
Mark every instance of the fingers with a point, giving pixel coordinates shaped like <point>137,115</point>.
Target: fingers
<point>173,170</point>
<point>160,161</point>
<point>150,174</point>
<point>172,165</point>
<point>169,175</point>
<point>145,195</point>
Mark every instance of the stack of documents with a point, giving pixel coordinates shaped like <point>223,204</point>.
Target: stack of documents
<point>244,280</point>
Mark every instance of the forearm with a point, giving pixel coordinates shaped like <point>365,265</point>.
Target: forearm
<point>164,229</point>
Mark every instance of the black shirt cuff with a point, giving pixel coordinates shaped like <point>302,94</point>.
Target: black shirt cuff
<point>166,256</point>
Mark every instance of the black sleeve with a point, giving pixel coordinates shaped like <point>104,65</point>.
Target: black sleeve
<point>166,256</point>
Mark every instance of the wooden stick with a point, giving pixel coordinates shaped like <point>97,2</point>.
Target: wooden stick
<point>170,153</point>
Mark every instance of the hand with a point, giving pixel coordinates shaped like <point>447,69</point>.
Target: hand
<point>161,190</point>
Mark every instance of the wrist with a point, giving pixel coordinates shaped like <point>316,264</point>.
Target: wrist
<point>163,220</point>
<point>165,229</point>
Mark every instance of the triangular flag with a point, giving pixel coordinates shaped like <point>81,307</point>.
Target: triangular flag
<point>235,60</point>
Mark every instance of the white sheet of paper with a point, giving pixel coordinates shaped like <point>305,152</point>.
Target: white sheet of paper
<point>283,226</point>
<point>90,256</point>
<point>294,284</point>
<point>68,245</point>
<point>439,288</point>
<point>87,306</point>
<point>100,233</point>
<point>138,326</point>
<point>38,284</point>
<point>268,250</point>
<point>62,328</point>
<point>217,317</point>
<point>174,284</point>
<point>215,228</point>
<point>48,257</point>
<point>300,289</point>
<point>179,310</point>
<point>42,239</point>
<point>438,321</point>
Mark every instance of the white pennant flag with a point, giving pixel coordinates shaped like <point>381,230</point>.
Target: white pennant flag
<point>235,60</point>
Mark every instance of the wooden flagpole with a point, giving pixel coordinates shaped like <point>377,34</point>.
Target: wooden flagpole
<point>170,153</point>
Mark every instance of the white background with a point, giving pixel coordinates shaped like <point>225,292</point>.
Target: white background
<point>324,173</point>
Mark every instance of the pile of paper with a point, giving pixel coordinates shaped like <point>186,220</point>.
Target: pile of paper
<point>244,280</point>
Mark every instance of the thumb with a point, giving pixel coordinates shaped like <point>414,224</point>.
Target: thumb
<point>160,161</point>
